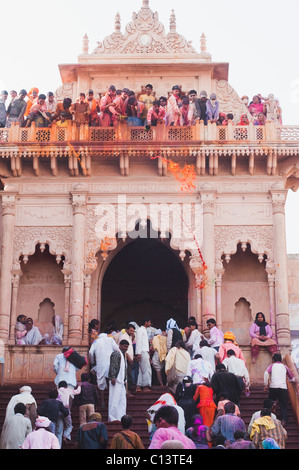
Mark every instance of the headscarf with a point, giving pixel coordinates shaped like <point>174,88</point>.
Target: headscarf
<point>24,396</point>
<point>42,422</point>
<point>262,325</point>
<point>270,443</point>
<point>171,324</point>
<point>229,335</point>
<point>198,429</point>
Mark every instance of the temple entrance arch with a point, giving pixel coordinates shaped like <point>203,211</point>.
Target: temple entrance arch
<point>145,278</point>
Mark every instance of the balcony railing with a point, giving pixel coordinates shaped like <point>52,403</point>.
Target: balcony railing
<point>161,133</point>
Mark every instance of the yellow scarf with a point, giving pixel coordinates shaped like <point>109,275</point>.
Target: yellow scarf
<point>263,421</point>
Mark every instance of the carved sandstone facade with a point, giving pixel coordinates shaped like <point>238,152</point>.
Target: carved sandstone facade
<point>73,196</point>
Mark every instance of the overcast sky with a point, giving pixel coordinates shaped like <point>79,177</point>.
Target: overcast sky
<point>258,38</point>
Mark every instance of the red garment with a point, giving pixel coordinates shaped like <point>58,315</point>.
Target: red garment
<point>206,406</point>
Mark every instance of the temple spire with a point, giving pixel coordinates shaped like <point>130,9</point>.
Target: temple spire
<point>172,25</point>
<point>117,23</point>
<point>145,3</point>
<point>85,47</point>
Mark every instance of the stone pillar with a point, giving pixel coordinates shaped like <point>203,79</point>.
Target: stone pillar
<point>8,222</point>
<point>219,273</point>
<point>87,285</point>
<point>15,281</point>
<point>281,277</point>
<point>208,293</point>
<point>271,283</point>
<point>67,291</point>
<point>78,261</point>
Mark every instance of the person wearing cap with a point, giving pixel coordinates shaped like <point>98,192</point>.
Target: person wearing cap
<point>147,99</point>
<point>25,396</point>
<point>201,107</point>
<point>41,437</point>
<point>213,108</point>
<point>92,435</point>
<point>119,107</point>
<point>173,109</point>
<point>16,109</point>
<point>94,109</point>
<point>105,103</point>
<point>3,113</point>
<point>230,343</point>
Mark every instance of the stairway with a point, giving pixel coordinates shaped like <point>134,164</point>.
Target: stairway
<point>137,406</point>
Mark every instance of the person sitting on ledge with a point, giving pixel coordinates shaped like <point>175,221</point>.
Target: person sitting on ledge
<point>33,336</point>
<point>20,329</point>
<point>261,335</point>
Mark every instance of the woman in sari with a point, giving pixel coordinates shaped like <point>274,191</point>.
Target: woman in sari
<point>176,365</point>
<point>261,335</point>
<point>206,406</point>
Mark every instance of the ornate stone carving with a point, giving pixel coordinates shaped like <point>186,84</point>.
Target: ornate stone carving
<point>227,239</point>
<point>145,34</point>
<point>278,207</point>
<point>229,100</point>
<point>59,240</point>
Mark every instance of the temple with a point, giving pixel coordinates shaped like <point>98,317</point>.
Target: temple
<point>105,223</point>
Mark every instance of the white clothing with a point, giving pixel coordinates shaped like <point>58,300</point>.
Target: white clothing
<point>142,342</point>
<point>64,370</point>
<point>64,395</point>
<point>130,351</point>
<point>278,376</point>
<point>33,337</point>
<point>41,439</point>
<point>145,371</point>
<point>199,370</point>
<point>99,355</point>
<point>216,337</point>
<point>15,430</point>
<point>24,397</point>
<point>237,366</point>
<point>208,354</point>
<point>195,336</point>
<point>117,403</point>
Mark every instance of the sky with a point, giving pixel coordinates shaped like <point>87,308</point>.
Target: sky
<point>258,38</point>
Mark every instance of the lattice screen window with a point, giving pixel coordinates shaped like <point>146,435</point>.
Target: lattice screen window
<point>102,135</point>
<point>43,135</point>
<point>61,134</point>
<point>180,133</point>
<point>241,133</point>
<point>3,136</point>
<point>222,133</point>
<point>141,135</point>
<point>288,133</point>
<point>24,135</point>
<point>259,133</point>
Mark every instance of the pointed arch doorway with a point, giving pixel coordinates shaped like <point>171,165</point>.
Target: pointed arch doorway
<point>145,278</point>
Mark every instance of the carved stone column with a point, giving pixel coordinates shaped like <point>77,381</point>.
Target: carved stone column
<point>208,294</point>
<point>281,278</point>
<point>87,285</point>
<point>195,295</point>
<point>219,273</point>
<point>67,292</point>
<point>271,283</point>
<point>8,221</point>
<point>15,281</point>
<point>78,257</point>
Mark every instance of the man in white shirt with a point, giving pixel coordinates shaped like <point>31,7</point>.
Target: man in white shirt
<point>216,335</point>
<point>144,380</point>
<point>128,334</point>
<point>275,380</point>
<point>237,366</point>
<point>206,352</point>
<point>199,369</point>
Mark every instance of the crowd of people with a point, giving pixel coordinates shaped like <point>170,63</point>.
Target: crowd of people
<point>203,377</point>
<point>145,109</point>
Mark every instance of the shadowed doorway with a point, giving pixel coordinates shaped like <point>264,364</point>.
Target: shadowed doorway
<point>146,278</point>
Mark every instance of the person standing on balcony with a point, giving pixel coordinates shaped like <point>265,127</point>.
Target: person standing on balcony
<point>3,112</point>
<point>201,106</point>
<point>81,111</point>
<point>216,335</point>
<point>16,109</point>
<point>32,99</point>
<point>63,116</point>
<point>156,114</point>
<point>148,99</point>
<point>118,108</point>
<point>50,103</point>
<point>105,117</point>
<point>38,113</point>
<point>144,381</point>
<point>186,112</point>
<point>173,108</point>
<point>213,108</point>
<point>94,108</point>
<point>256,106</point>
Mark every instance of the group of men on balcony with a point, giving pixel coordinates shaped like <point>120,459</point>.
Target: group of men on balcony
<point>179,109</point>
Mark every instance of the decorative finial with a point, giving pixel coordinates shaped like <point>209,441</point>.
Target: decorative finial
<point>145,3</point>
<point>203,43</point>
<point>85,44</point>
<point>117,23</point>
<point>172,26</point>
